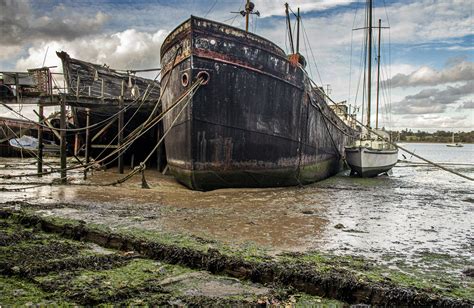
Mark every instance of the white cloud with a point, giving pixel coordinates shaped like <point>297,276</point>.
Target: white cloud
<point>461,71</point>
<point>129,49</point>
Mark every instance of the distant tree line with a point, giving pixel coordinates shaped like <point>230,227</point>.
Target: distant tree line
<point>439,136</point>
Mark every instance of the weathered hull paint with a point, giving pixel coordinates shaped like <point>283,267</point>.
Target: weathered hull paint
<point>257,123</point>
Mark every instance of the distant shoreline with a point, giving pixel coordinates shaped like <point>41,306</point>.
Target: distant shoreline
<point>430,142</point>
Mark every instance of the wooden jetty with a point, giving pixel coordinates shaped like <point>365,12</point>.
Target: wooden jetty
<point>106,89</point>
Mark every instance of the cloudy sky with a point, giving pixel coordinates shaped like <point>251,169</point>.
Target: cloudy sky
<point>429,45</point>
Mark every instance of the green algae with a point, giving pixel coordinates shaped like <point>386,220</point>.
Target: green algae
<point>17,292</point>
<point>363,269</point>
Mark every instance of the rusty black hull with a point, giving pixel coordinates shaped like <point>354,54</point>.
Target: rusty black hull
<point>256,123</point>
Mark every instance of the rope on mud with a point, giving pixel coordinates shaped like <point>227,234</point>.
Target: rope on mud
<point>433,163</point>
<point>402,148</point>
<point>3,189</point>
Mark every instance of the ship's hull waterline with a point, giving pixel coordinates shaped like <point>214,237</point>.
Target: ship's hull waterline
<point>257,122</point>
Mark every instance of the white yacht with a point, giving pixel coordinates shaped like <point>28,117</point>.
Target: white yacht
<point>373,153</point>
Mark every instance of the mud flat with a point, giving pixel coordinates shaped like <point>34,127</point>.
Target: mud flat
<point>372,241</point>
<point>58,267</point>
<point>45,256</point>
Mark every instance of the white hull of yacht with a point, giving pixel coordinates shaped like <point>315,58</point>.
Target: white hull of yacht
<point>368,162</point>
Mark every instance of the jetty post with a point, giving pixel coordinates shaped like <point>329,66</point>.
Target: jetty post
<point>40,140</point>
<point>62,150</point>
<point>87,143</point>
<point>120,129</point>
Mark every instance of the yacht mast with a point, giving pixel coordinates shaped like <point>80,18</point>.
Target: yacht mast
<point>288,22</point>
<point>369,59</point>
<point>378,79</point>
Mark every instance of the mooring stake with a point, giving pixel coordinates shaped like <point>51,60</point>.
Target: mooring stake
<point>144,183</point>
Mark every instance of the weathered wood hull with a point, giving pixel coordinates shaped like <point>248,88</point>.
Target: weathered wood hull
<point>86,79</point>
<point>256,123</point>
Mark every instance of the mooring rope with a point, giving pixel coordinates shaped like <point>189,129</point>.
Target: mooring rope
<point>125,145</point>
<point>142,165</point>
<point>192,90</point>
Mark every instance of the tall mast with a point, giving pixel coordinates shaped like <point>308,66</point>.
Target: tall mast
<point>247,13</point>
<point>289,28</point>
<point>378,78</point>
<point>298,32</point>
<point>369,59</point>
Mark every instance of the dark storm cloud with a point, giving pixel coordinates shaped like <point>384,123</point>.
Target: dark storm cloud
<point>467,105</point>
<point>455,71</point>
<point>433,100</point>
<point>19,24</point>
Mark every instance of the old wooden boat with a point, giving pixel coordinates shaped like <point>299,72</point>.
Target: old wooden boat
<point>258,121</point>
<point>90,80</point>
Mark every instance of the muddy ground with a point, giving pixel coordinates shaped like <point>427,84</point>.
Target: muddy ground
<point>340,230</point>
<point>46,268</point>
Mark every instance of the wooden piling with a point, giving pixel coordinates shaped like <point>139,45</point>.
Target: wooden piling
<point>40,141</point>
<point>63,149</point>
<point>87,142</point>
<point>159,150</point>
<point>120,130</point>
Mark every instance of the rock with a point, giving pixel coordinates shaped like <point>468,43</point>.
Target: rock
<point>469,272</point>
<point>339,226</point>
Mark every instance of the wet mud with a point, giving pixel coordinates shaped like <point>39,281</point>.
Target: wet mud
<point>57,268</point>
<point>311,274</point>
<point>412,230</point>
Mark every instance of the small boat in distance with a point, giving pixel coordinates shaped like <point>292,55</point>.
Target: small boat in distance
<point>454,145</point>
<point>372,154</point>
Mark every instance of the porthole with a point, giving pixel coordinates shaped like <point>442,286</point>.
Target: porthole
<point>185,80</point>
<point>204,76</point>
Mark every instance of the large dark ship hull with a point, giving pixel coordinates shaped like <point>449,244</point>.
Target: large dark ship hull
<point>257,122</point>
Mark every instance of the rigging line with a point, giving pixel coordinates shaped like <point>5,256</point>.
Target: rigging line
<point>140,128</point>
<point>123,128</point>
<point>71,129</point>
<point>309,62</point>
<point>237,14</point>
<point>113,152</point>
<point>128,143</point>
<point>350,65</point>
<point>133,115</point>
<point>311,50</point>
<point>210,9</point>
<point>151,124</point>
<point>142,165</point>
